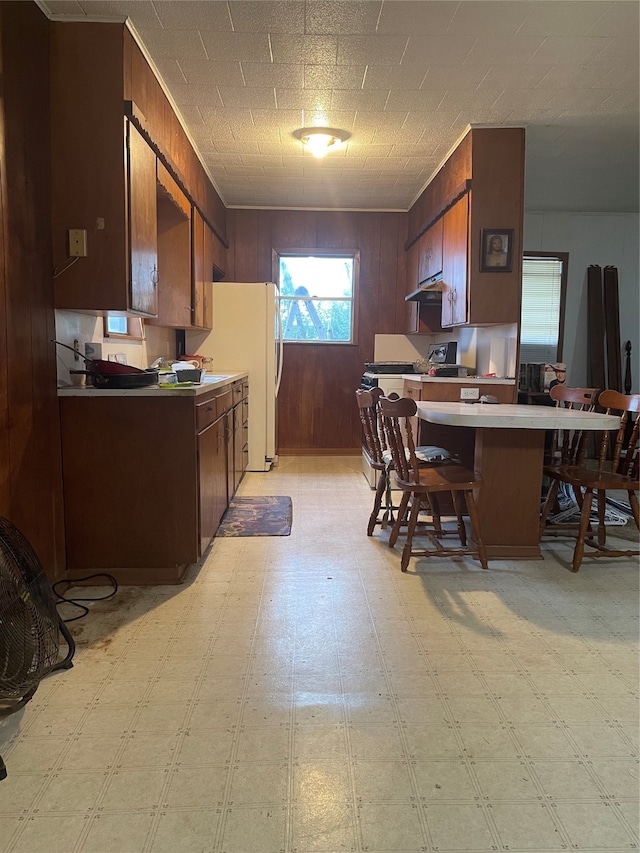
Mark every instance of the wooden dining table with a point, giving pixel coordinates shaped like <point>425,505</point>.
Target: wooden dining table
<point>505,443</point>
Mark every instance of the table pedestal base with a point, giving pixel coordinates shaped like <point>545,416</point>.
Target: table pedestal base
<point>510,461</point>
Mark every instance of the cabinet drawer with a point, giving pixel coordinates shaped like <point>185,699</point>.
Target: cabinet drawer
<point>206,413</point>
<point>224,402</point>
<point>213,407</point>
<point>412,389</point>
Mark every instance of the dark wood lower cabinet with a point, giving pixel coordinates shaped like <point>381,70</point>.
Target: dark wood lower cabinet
<point>212,463</point>
<point>145,481</point>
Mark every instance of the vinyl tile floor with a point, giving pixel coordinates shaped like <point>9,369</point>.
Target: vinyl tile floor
<point>300,694</point>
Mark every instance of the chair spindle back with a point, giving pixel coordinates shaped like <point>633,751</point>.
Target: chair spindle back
<point>369,418</point>
<point>572,444</point>
<point>396,419</point>
<point>625,459</point>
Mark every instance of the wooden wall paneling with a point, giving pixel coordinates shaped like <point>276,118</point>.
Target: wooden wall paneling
<point>368,296</point>
<point>393,230</point>
<point>244,248</point>
<point>31,479</point>
<point>264,250</point>
<point>291,230</point>
<point>296,406</point>
<point>316,409</point>
<point>390,226</point>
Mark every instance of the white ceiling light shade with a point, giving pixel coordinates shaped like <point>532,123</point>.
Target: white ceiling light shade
<point>321,140</point>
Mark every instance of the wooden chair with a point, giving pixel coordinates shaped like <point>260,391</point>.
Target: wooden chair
<point>423,484</point>
<point>620,472</point>
<point>374,443</point>
<point>381,461</point>
<point>569,446</point>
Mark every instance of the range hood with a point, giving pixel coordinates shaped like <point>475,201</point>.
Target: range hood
<point>429,290</point>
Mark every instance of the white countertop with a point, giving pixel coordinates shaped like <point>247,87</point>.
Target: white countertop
<point>460,380</point>
<point>513,416</point>
<point>151,390</point>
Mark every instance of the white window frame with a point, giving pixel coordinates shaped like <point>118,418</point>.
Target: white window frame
<point>354,256</point>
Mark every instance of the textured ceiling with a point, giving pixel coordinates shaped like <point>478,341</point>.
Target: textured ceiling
<point>406,79</point>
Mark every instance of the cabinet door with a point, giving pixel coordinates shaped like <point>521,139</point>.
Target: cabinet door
<point>455,251</point>
<point>203,251</point>
<point>212,463</point>
<point>198,266</point>
<point>230,449</point>
<point>143,240</point>
<point>412,261</point>
<point>430,252</point>
<point>238,445</point>
<point>175,308</point>
<point>210,241</point>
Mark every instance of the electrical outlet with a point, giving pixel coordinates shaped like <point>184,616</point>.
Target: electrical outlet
<point>77,243</point>
<point>469,393</point>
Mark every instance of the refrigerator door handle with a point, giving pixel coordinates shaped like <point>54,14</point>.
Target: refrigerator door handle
<point>279,346</point>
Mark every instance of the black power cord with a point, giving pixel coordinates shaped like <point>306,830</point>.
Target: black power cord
<point>75,602</point>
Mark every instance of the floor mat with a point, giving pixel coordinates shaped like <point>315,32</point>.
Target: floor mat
<point>261,515</point>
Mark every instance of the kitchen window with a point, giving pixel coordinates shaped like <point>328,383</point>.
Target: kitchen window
<point>317,295</point>
<point>544,288</point>
<point>118,326</point>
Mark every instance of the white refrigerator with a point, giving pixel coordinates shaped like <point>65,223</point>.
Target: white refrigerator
<point>247,336</point>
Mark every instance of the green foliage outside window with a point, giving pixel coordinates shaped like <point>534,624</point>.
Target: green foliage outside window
<point>316,298</point>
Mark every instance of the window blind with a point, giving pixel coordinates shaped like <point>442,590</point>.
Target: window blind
<point>540,319</point>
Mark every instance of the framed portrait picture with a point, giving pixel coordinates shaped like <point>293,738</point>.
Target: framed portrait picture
<point>497,250</point>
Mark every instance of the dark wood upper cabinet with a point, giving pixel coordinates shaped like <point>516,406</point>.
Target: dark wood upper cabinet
<point>455,254</point>
<point>143,239</point>
<point>430,252</point>
<point>103,180</point>
<point>203,245</point>
<point>175,305</point>
<point>481,186</point>
<point>104,177</point>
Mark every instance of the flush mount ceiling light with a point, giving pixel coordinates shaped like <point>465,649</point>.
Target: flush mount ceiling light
<point>321,140</point>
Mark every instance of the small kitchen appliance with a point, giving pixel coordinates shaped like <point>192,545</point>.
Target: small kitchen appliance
<point>441,360</point>
<point>384,373</point>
